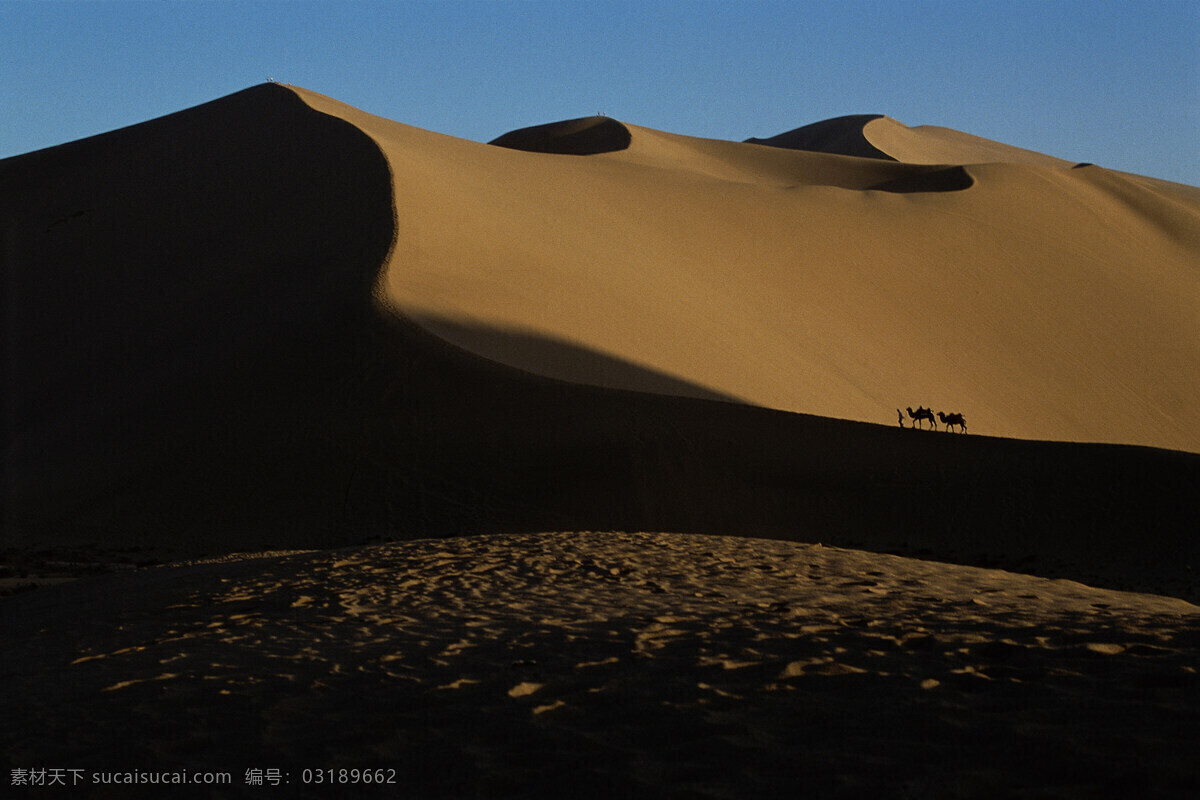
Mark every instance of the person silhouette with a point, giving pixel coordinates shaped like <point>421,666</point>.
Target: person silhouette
<point>900,414</point>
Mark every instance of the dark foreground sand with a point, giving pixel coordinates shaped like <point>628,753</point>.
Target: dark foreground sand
<point>607,665</point>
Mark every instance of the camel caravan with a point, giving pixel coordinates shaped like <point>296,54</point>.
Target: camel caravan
<point>950,421</point>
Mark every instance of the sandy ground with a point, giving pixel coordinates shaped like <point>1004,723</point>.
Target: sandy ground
<point>606,665</point>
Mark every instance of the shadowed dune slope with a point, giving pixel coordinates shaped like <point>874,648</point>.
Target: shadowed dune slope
<point>578,137</point>
<point>252,324</point>
<point>174,285</point>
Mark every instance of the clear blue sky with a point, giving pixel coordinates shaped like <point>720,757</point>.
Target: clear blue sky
<point>1108,81</point>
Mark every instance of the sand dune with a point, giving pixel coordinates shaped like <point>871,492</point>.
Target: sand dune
<point>841,135</point>
<point>261,322</point>
<point>878,136</point>
<point>164,281</point>
<point>579,137</point>
<point>1043,302</point>
<point>930,144</point>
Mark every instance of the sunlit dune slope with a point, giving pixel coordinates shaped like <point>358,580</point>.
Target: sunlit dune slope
<point>931,144</point>
<point>1040,301</point>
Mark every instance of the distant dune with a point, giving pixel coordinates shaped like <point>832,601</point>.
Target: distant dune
<point>578,137</point>
<point>842,135</point>
<point>277,320</point>
<point>878,136</point>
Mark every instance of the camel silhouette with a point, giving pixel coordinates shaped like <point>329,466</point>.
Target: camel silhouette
<point>920,414</point>
<point>950,420</point>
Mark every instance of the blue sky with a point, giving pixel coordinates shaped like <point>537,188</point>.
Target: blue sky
<point>1116,83</point>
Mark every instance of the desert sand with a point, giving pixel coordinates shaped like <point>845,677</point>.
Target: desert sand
<point>407,370</point>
